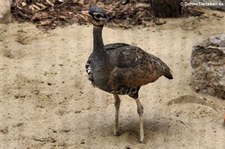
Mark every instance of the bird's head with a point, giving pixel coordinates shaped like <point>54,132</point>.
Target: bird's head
<point>97,16</point>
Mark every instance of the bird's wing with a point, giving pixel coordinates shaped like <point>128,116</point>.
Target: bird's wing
<point>124,55</point>
<point>133,66</point>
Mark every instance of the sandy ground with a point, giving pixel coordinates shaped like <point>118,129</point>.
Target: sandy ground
<point>46,100</point>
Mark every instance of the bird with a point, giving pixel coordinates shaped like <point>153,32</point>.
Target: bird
<point>120,68</point>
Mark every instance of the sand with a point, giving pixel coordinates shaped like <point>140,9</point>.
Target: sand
<point>46,100</point>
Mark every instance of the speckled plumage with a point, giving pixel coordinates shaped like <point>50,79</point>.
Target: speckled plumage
<point>128,68</point>
<point>120,68</point>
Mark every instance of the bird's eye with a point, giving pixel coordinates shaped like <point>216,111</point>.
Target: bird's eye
<point>98,16</point>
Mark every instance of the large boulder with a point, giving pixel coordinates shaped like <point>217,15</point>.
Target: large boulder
<point>208,65</point>
<point>5,11</point>
<point>166,8</point>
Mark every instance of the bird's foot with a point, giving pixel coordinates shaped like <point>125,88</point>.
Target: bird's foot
<point>141,140</point>
<point>116,133</point>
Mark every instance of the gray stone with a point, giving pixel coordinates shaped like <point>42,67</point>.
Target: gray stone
<point>5,11</point>
<point>208,65</point>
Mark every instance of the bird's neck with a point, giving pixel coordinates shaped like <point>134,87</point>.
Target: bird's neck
<point>98,41</point>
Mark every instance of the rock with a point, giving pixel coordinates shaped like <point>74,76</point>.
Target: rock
<point>4,130</point>
<point>166,8</point>
<point>208,65</point>
<point>5,11</point>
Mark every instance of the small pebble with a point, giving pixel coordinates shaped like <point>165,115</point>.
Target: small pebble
<point>127,147</point>
<point>82,141</point>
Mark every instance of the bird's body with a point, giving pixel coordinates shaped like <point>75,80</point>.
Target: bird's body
<point>121,68</point>
<point>125,69</point>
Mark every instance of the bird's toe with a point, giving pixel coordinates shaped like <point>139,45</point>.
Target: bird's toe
<point>116,133</point>
<point>141,141</point>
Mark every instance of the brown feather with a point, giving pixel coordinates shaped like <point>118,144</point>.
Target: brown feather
<point>132,66</point>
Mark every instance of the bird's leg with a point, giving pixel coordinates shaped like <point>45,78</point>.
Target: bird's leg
<point>117,107</point>
<point>140,112</point>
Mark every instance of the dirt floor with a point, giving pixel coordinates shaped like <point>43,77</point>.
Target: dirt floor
<point>46,100</point>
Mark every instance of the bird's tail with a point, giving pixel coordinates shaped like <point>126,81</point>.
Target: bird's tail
<point>168,75</point>
<point>162,67</point>
<point>166,71</point>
